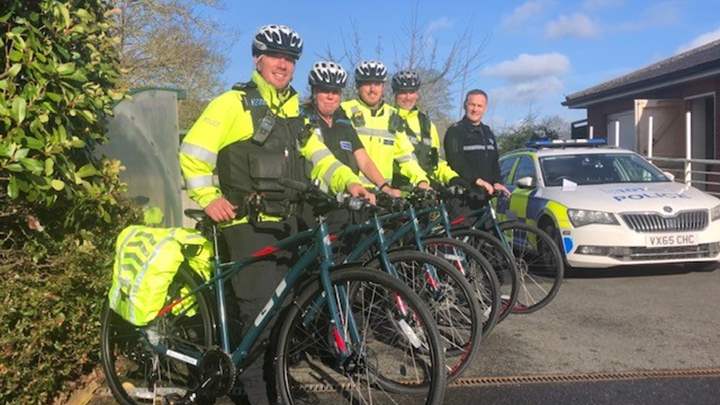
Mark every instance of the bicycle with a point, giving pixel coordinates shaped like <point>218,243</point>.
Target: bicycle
<point>364,334</point>
<point>447,292</point>
<point>538,262</point>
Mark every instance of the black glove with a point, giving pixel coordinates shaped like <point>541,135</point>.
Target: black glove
<point>458,186</point>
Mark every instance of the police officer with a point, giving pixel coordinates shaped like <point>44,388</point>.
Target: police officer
<point>471,148</point>
<point>252,136</point>
<point>420,130</point>
<point>380,128</point>
<point>327,79</point>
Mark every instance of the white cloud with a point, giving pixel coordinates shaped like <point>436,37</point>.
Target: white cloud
<point>523,13</point>
<point>438,25</point>
<point>598,4</point>
<point>700,40</point>
<point>528,91</point>
<point>576,25</point>
<point>527,67</point>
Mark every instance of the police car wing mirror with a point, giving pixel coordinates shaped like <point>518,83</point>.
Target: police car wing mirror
<point>669,175</point>
<point>525,182</point>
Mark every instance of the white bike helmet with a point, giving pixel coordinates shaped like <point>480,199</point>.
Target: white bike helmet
<point>277,39</point>
<point>327,75</point>
<point>405,80</point>
<point>370,71</point>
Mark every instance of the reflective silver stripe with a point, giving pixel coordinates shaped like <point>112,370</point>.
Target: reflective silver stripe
<point>319,135</point>
<point>200,181</point>
<point>316,157</point>
<point>139,277</point>
<point>427,141</point>
<point>382,133</point>
<point>199,152</point>
<point>327,177</point>
<point>479,147</point>
<point>405,158</point>
<point>118,260</point>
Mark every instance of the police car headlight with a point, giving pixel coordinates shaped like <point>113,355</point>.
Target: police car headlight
<point>586,217</point>
<point>715,213</point>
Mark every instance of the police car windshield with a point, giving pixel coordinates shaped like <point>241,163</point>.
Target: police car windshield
<point>599,169</point>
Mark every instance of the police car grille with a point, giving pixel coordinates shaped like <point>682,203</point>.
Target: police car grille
<point>683,221</point>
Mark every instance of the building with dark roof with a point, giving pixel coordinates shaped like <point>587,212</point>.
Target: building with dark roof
<point>672,102</point>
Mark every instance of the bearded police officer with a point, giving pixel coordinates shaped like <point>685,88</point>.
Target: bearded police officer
<point>381,129</point>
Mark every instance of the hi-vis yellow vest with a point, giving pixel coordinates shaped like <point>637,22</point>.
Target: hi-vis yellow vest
<point>146,261</point>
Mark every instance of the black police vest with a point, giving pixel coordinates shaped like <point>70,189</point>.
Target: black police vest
<point>337,137</point>
<point>426,155</point>
<point>255,165</point>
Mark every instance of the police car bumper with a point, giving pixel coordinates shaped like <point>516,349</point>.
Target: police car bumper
<point>590,246</point>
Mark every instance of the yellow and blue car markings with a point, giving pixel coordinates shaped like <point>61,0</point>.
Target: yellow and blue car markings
<point>526,206</point>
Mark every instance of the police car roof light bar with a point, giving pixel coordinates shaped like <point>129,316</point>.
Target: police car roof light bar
<point>562,143</point>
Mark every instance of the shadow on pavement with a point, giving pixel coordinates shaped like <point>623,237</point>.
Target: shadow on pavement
<point>639,271</point>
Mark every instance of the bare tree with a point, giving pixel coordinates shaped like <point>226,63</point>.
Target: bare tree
<point>419,51</point>
<point>171,43</point>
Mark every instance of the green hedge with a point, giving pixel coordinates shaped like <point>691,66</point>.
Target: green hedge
<point>59,206</point>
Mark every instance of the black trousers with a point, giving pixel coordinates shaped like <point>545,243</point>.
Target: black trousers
<point>253,286</point>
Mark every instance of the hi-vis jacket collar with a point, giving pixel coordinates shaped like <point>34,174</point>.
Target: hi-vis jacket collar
<point>275,99</point>
<point>377,111</point>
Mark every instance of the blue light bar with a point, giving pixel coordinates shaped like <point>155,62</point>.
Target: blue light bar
<point>561,143</point>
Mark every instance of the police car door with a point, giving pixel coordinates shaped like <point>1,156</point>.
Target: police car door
<point>507,164</point>
<point>521,196</point>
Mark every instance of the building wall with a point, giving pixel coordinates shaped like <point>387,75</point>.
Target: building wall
<point>597,114</point>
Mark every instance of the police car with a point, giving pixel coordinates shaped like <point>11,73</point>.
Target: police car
<point>609,207</point>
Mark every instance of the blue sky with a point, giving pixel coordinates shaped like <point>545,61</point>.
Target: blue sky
<point>537,51</point>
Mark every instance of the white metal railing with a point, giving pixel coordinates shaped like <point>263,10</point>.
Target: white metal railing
<point>688,173</point>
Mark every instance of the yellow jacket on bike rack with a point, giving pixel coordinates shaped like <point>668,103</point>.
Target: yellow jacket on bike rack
<point>146,261</point>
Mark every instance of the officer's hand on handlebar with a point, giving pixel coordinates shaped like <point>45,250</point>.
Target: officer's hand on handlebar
<point>489,189</point>
<point>424,185</point>
<point>392,192</point>
<point>501,189</point>
<point>357,190</point>
<point>220,210</point>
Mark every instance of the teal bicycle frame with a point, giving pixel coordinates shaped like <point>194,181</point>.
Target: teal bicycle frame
<point>223,271</point>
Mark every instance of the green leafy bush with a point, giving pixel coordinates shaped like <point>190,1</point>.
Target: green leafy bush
<point>59,206</point>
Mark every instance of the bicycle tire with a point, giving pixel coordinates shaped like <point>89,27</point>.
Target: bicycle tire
<point>456,310</point>
<point>123,345</point>
<point>477,269</point>
<point>539,263</point>
<point>304,342</point>
<point>502,261</point>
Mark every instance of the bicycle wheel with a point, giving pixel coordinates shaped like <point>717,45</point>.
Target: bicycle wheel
<point>477,269</point>
<point>451,300</point>
<point>539,264</point>
<point>134,372</point>
<point>384,359</point>
<point>502,262</point>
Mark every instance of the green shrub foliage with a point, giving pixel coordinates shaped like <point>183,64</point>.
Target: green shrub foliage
<point>59,209</point>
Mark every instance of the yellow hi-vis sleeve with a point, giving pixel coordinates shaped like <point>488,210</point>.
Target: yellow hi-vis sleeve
<point>443,172</point>
<point>222,122</point>
<point>332,174</point>
<point>404,155</point>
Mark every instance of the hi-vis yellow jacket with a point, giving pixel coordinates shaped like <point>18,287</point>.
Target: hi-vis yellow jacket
<point>381,133</point>
<point>442,173</point>
<point>146,261</point>
<point>225,121</point>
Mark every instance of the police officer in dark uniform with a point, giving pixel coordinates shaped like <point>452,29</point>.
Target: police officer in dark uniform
<point>471,148</point>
